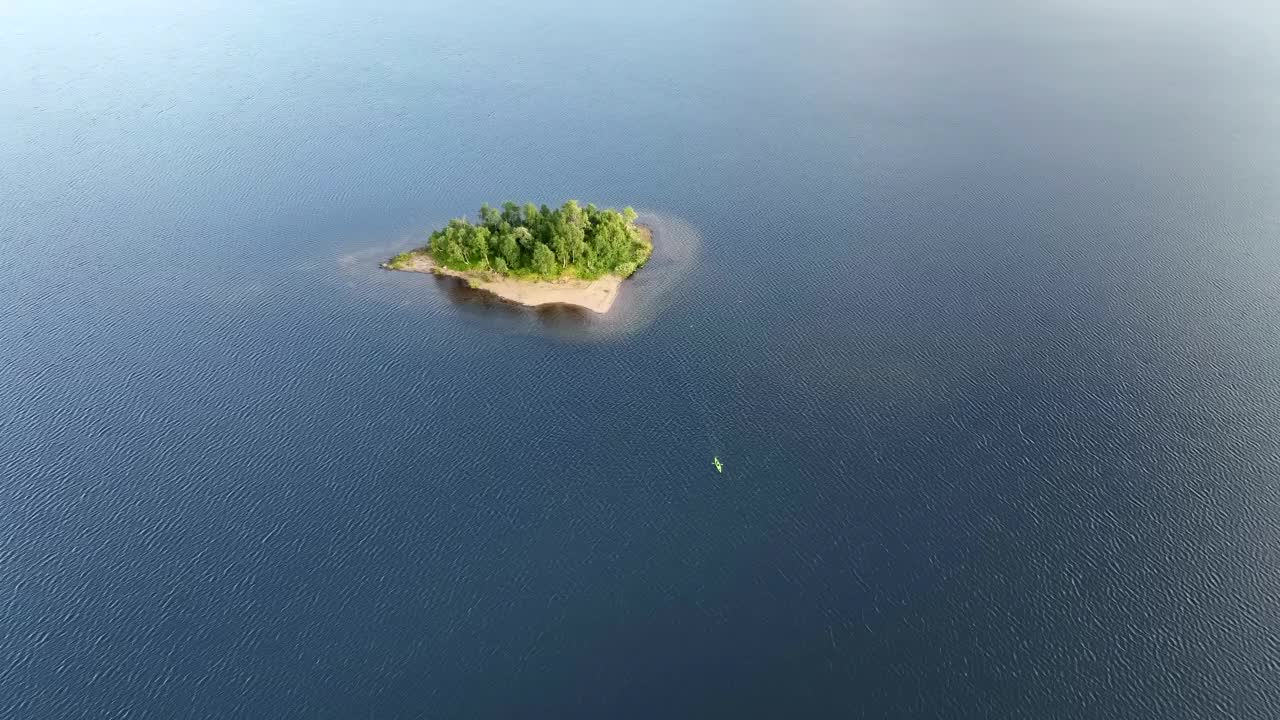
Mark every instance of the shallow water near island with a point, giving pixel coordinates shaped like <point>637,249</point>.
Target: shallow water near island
<point>977,305</point>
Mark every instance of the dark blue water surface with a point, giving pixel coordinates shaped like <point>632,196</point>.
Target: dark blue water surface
<point>978,302</point>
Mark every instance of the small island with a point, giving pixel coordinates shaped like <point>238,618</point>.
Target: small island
<point>538,255</point>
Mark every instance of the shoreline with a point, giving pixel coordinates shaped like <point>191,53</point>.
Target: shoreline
<point>595,295</point>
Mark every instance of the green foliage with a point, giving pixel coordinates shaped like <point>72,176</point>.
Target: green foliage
<point>586,242</point>
<point>454,253</point>
<point>490,217</point>
<point>477,246</point>
<point>509,249</point>
<point>544,261</point>
<point>524,237</point>
<point>400,261</point>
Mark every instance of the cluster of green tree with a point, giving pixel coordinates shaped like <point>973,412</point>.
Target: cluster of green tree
<point>541,242</point>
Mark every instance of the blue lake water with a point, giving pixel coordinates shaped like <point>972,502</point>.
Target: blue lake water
<point>978,302</point>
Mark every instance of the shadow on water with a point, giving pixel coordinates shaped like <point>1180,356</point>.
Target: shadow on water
<point>483,304</point>
<point>641,298</point>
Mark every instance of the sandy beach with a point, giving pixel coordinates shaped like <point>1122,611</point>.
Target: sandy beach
<point>596,295</point>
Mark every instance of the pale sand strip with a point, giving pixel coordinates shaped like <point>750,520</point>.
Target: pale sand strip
<point>596,295</point>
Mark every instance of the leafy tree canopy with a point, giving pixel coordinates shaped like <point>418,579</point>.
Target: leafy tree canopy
<point>539,242</point>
